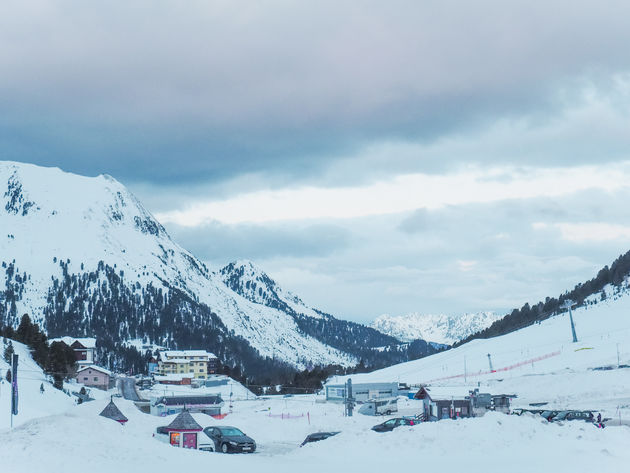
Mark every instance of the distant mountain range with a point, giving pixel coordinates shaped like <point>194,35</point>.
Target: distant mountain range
<point>437,328</point>
<point>83,257</point>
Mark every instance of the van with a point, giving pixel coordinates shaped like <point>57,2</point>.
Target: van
<point>374,407</point>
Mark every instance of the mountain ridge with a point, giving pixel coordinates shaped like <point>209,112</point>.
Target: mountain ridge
<point>438,328</point>
<point>103,262</point>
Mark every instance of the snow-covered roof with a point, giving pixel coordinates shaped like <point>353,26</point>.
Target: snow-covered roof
<point>173,355</point>
<point>187,400</point>
<point>177,360</point>
<point>96,368</point>
<point>184,421</point>
<point>174,376</point>
<point>447,392</point>
<point>87,342</point>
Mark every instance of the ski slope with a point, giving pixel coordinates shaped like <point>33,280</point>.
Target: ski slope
<point>538,363</point>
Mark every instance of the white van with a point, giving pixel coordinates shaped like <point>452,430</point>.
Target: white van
<point>374,407</point>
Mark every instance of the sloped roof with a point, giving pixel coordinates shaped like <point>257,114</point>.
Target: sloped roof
<point>111,411</point>
<point>184,421</point>
<point>86,342</point>
<point>95,368</point>
<point>443,393</point>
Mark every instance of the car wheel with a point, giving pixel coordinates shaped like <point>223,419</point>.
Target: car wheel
<point>388,412</point>
<point>224,448</point>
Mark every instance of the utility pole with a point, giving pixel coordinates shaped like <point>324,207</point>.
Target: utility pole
<point>14,387</point>
<point>618,363</point>
<point>490,363</point>
<point>465,372</point>
<point>349,398</point>
<point>567,305</point>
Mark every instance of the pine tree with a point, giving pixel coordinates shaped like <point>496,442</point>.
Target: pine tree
<point>8,352</point>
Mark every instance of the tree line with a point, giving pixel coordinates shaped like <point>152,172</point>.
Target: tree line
<point>57,359</point>
<point>527,315</point>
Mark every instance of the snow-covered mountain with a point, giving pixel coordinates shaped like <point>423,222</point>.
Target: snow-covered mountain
<point>83,257</point>
<point>57,225</point>
<point>437,328</point>
<point>251,282</point>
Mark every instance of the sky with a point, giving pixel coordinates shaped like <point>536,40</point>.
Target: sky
<point>372,157</point>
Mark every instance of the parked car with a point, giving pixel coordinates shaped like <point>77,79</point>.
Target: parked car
<point>519,411</point>
<point>317,437</point>
<point>229,439</point>
<point>391,424</point>
<point>586,416</point>
<point>549,415</point>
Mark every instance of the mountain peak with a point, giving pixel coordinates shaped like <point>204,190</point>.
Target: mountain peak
<point>438,328</point>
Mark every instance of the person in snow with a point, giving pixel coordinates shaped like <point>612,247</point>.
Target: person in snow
<point>41,388</point>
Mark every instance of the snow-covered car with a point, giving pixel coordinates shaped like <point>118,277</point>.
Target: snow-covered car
<point>586,416</point>
<point>391,424</point>
<point>229,439</point>
<point>549,415</point>
<point>316,437</point>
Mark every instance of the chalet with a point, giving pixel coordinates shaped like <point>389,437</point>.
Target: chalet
<point>111,411</point>
<point>183,430</point>
<point>196,362</point>
<point>210,404</point>
<point>95,376</point>
<point>445,403</point>
<point>83,348</point>
<point>361,392</point>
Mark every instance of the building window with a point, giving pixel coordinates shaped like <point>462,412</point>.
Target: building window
<point>95,378</point>
<point>85,378</point>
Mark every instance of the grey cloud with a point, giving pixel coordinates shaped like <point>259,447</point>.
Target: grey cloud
<point>210,90</point>
<point>219,244</point>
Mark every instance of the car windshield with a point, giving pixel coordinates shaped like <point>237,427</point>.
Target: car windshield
<point>231,431</point>
<point>390,422</point>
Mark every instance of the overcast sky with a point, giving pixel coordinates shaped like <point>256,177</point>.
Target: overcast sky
<point>373,157</point>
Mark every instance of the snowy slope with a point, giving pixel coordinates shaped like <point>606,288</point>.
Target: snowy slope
<point>248,280</point>
<point>47,216</point>
<point>31,402</point>
<point>438,328</point>
<point>539,362</point>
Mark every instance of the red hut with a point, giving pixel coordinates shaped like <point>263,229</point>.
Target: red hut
<point>183,430</point>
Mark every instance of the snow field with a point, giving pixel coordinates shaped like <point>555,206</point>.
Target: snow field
<point>565,379</point>
<point>493,443</point>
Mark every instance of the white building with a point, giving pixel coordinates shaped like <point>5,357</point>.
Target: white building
<point>83,348</point>
<point>195,362</point>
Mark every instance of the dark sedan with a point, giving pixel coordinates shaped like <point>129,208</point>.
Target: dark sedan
<point>230,440</point>
<point>317,437</point>
<point>391,424</point>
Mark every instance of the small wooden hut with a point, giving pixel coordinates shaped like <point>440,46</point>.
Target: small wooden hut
<point>183,430</point>
<point>111,411</point>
